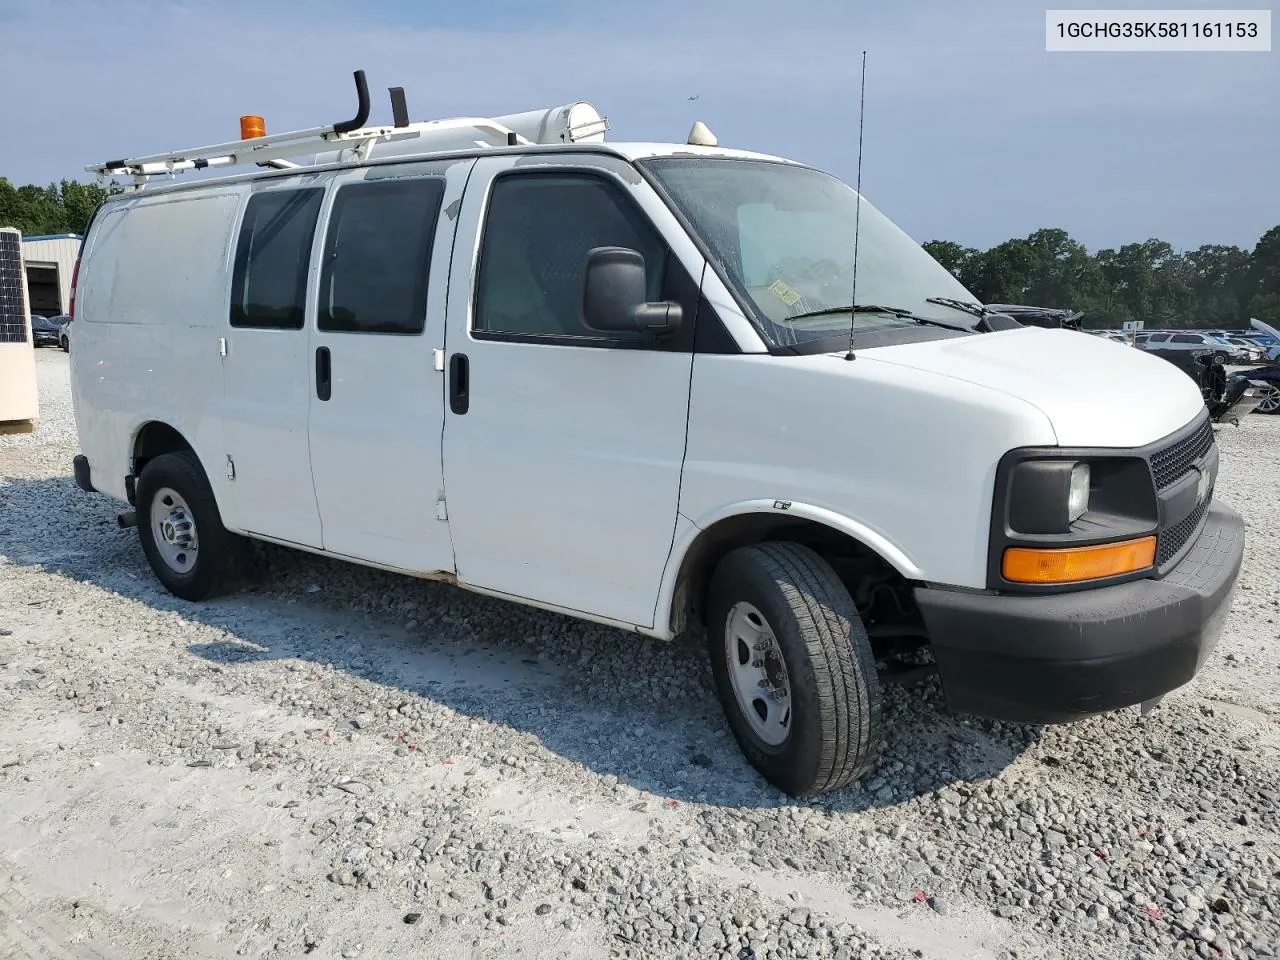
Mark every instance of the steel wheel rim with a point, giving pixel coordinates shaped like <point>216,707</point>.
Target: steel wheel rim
<point>173,528</point>
<point>1270,401</point>
<point>758,673</point>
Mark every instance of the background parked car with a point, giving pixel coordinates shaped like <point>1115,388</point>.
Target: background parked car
<point>1050,317</point>
<point>64,331</point>
<point>1267,381</point>
<point>1249,352</point>
<point>44,331</point>
<point>1189,342</point>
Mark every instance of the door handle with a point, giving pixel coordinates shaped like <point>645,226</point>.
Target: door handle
<point>459,383</point>
<point>324,374</point>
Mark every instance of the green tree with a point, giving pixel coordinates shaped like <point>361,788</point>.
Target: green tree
<point>953,256</point>
<point>1150,280</point>
<point>1263,284</point>
<point>1218,277</point>
<point>1002,274</point>
<point>1047,268</point>
<point>63,207</point>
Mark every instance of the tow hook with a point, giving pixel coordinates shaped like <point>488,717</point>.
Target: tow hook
<point>127,519</point>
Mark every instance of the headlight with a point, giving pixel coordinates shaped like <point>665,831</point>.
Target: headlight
<point>1047,496</point>
<point>1078,493</point>
<point>1067,517</point>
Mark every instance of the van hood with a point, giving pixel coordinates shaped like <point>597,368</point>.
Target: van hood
<point>1095,392</point>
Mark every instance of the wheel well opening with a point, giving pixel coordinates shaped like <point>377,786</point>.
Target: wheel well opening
<point>884,597</point>
<point>153,440</point>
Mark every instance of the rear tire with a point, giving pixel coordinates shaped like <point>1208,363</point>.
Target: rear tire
<point>181,528</point>
<point>793,668</point>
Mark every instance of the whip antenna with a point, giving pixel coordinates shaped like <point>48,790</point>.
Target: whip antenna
<point>857,210</point>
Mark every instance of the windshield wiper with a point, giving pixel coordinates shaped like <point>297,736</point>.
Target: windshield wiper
<point>857,308</point>
<point>977,309</point>
<point>899,312</point>
<point>942,323</point>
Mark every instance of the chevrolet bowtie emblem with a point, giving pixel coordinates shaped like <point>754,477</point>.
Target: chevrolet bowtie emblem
<point>1202,486</point>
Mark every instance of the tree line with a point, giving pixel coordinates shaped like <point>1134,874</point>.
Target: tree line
<point>1213,286</point>
<point>58,208</point>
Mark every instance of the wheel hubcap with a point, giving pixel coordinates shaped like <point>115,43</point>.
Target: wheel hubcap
<point>174,530</point>
<point>758,673</point>
<point>1270,401</point>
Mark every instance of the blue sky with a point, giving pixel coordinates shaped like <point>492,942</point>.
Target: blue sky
<point>973,132</point>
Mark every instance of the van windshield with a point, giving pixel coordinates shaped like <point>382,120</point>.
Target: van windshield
<point>784,235</point>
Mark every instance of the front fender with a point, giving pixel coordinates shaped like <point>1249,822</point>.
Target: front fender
<point>688,531</point>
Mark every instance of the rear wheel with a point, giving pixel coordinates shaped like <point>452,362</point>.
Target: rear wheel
<point>180,527</point>
<point>793,668</point>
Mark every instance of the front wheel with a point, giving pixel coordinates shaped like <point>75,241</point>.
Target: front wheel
<point>181,528</point>
<point>793,668</point>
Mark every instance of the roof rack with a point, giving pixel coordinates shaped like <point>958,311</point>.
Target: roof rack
<point>351,141</point>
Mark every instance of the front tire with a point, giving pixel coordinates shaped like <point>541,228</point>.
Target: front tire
<point>181,528</point>
<point>793,668</point>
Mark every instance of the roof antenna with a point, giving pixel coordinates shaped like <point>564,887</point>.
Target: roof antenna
<point>857,210</point>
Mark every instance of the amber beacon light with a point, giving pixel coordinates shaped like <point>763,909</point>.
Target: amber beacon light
<point>1073,565</point>
<point>252,126</point>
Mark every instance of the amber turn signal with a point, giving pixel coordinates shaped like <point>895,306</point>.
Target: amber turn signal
<point>1076,564</point>
<point>252,126</point>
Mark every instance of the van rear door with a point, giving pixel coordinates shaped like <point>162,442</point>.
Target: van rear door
<point>377,402</point>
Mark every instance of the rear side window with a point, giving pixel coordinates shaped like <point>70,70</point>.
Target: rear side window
<point>377,254</point>
<point>1188,338</point>
<point>269,281</point>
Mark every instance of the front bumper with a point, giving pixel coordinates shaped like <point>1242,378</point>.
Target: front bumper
<point>1056,658</point>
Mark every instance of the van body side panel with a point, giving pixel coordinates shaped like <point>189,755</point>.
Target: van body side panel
<point>149,303</point>
<point>919,470</point>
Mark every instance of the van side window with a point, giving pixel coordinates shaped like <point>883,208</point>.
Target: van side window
<point>533,255</point>
<point>376,256</point>
<point>269,280</point>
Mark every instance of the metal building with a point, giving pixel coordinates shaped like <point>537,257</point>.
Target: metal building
<point>50,261</point>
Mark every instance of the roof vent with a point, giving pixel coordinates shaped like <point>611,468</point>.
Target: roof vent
<point>702,136</point>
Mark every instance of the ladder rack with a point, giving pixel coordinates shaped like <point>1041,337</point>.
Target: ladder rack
<point>351,141</point>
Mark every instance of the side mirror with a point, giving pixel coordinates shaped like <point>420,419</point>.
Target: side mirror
<point>613,296</point>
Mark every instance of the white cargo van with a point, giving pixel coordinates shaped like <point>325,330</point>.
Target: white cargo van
<point>624,381</point>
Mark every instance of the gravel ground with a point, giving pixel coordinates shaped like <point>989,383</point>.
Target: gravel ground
<point>340,762</point>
